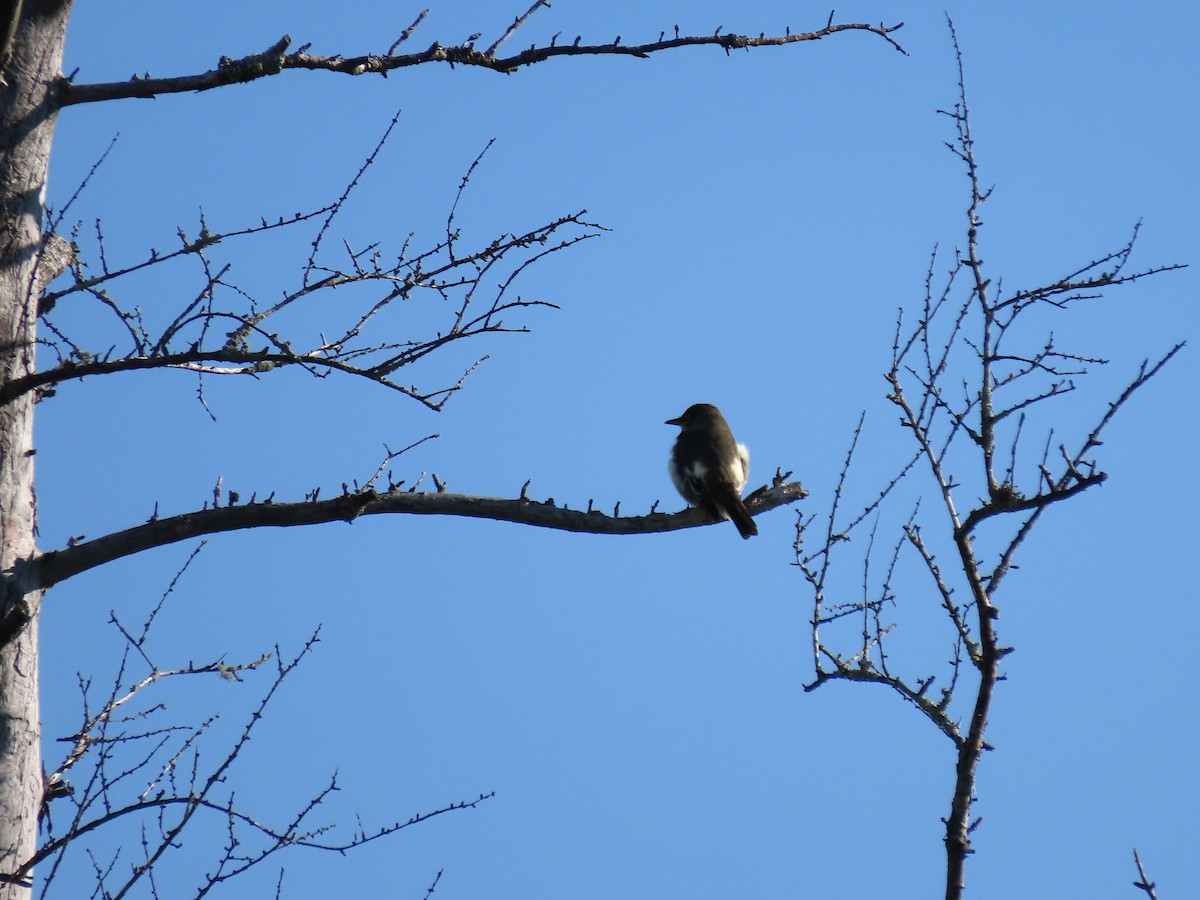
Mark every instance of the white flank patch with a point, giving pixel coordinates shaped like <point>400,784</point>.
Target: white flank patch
<point>739,472</point>
<point>684,480</point>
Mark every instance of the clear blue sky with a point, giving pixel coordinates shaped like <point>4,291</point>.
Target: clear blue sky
<point>636,703</point>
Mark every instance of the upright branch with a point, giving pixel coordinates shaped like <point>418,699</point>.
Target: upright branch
<point>1144,883</point>
<point>964,380</point>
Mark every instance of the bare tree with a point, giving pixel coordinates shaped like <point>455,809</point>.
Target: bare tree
<point>969,385</point>
<point>224,331</point>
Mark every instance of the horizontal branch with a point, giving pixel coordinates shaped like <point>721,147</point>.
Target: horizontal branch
<point>58,565</point>
<point>1011,503</point>
<point>276,59</point>
<point>282,838</point>
<point>236,362</point>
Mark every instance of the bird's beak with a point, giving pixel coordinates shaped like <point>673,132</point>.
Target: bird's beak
<point>673,422</point>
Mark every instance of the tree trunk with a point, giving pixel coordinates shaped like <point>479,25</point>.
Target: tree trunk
<point>27,117</point>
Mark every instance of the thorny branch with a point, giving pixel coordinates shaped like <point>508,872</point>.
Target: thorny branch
<point>276,58</point>
<point>963,388</point>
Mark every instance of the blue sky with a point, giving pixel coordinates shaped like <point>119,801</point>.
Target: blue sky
<point>636,703</point>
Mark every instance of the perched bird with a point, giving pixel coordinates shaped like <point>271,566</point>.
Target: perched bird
<point>709,467</point>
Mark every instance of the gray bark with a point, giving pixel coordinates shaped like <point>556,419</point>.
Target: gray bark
<point>26,129</point>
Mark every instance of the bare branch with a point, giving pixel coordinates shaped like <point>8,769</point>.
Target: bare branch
<point>338,204</point>
<point>408,32</point>
<point>56,566</point>
<point>962,328</point>
<point>170,786</point>
<point>222,330</point>
<point>843,671</point>
<point>55,217</point>
<point>1074,285</point>
<point>1143,883</point>
<point>276,59</point>
<point>48,301</point>
<point>517,23</point>
<point>1144,375</point>
<point>162,796</point>
<point>913,533</point>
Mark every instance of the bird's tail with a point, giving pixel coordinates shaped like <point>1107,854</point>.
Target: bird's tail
<point>735,510</point>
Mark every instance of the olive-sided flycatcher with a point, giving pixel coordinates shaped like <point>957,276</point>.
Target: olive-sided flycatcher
<point>709,467</point>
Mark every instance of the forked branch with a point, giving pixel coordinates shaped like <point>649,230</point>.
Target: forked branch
<point>150,770</point>
<point>220,328</point>
<point>964,378</point>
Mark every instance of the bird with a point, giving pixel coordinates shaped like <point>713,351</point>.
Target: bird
<point>709,467</point>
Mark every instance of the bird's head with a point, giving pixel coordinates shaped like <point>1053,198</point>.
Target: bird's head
<point>696,416</point>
